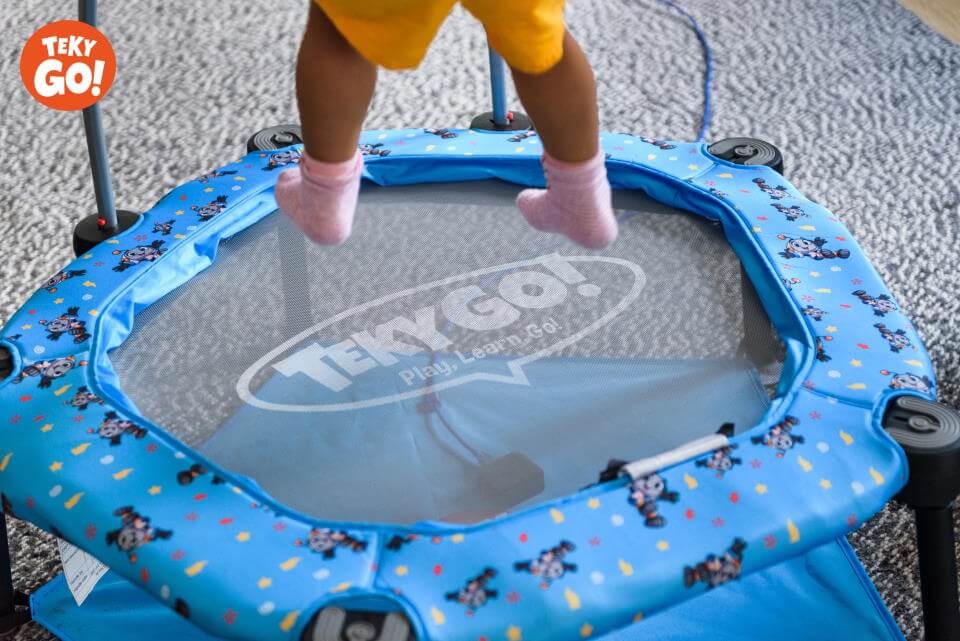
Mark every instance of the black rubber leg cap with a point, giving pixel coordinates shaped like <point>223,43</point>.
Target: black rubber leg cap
<point>87,234</point>
<point>517,122</point>
<point>748,151</point>
<point>336,624</point>
<point>275,137</point>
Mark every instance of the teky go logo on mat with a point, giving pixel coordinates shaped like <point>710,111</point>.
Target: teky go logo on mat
<point>67,65</point>
<point>485,325</point>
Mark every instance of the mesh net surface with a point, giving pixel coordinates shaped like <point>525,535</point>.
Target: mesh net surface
<point>448,362</point>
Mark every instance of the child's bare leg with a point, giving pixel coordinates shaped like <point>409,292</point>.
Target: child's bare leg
<point>563,105</point>
<point>334,87</point>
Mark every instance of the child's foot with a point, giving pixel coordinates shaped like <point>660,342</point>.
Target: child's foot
<point>576,202</point>
<point>321,197</point>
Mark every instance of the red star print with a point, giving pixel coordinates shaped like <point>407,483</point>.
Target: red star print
<point>15,419</point>
<point>193,516</point>
<point>689,513</point>
<point>856,281</point>
<point>226,521</point>
<point>734,497</point>
<point>30,502</point>
<point>523,537</point>
<point>756,464</point>
<point>177,555</point>
<point>31,311</point>
<point>595,541</point>
<point>437,570</point>
<point>809,385</point>
<point>151,448</point>
<point>78,418</point>
<point>852,520</point>
<point>144,575</point>
<point>199,497</point>
<point>787,266</point>
<point>435,539</point>
<point>840,238</point>
<point>807,298</point>
<point>279,527</point>
<point>99,263</point>
<point>863,346</point>
<point>91,531</point>
<point>25,398</point>
<point>718,522</point>
<point>844,306</point>
<point>37,419</point>
<point>815,415</point>
<point>182,197</point>
<point>229,617</point>
<point>469,613</point>
<point>140,237</point>
<point>769,541</point>
<point>761,218</point>
<point>513,597</point>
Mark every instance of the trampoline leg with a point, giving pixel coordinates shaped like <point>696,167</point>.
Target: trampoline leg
<point>938,573</point>
<point>12,603</point>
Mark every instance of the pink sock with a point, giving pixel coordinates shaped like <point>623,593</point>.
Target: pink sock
<point>321,197</point>
<point>576,202</point>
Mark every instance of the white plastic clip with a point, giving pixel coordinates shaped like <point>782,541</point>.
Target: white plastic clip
<point>645,466</point>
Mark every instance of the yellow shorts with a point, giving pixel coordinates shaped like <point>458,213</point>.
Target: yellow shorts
<point>395,34</point>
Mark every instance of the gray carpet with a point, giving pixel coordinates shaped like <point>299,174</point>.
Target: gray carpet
<point>864,99</point>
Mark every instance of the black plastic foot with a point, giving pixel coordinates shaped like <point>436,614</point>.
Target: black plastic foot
<point>88,233</point>
<point>930,435</point>
<point>515,122</point>
<point>748,151</point>
<point>14,605</point>
<point>275,137</point>
<point>336,624</point>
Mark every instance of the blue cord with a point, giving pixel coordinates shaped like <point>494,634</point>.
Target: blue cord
<point>708,59</point>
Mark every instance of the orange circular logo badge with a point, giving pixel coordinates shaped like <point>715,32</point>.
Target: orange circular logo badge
<point>67,65</point>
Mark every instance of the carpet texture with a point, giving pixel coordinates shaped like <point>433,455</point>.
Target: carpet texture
<point>862,97</point>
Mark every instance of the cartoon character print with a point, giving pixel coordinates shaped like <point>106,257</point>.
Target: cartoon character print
<point>716,192</point>
<point>720,460</point>
<point>790,282</point>
<point>475,594</point>
<point>443,133</point>
<point>777,193</point>
<point>135,531</point>
<point>61,276</point>
<point>139,254</point>
<point>791,213</point>
<point>815,313</point>
<point>717,570</point>
<point>326,541</point>
<point>68,323</point>
<point>810,248</point>
<point>84,398</point>
<point>376,149</point>
<point>821,349</point>
<point>281,159</point>
<point>908,381</point>
<point>113,427</point>
<point>881,304</point>
<point>211,209</point>
<point>523,135</point>
<point>210,175</point>
<point>646,493</point>
<point>780,437</point>
<point>897,339</point>
<point>189,475</point>
<point>657,143</point>
<point>397,542</point>
<point>550,566</point>
<point>163,228</point>
<point>48,371</point>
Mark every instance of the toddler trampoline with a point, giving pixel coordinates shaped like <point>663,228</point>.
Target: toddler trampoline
<point>454,427</point>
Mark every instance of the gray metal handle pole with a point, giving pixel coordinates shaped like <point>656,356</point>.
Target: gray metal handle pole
<point>97,144</point>
<point>498,88</point>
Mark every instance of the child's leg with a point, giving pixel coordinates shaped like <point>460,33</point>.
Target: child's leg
<point>334,87</point>
<point>563,105</point>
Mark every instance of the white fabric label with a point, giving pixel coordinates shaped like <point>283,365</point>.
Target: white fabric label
<point>81,570</point>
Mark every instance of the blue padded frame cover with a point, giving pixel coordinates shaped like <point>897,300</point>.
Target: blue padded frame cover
<point>241,566</point>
